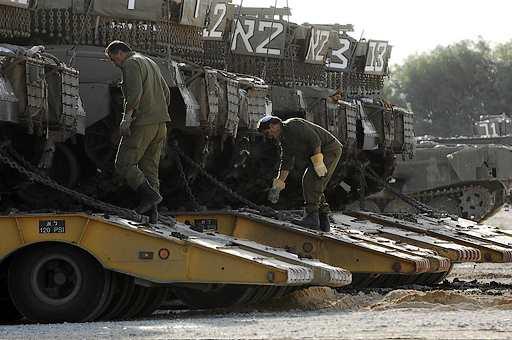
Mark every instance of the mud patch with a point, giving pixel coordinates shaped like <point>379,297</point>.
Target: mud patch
<point>316,298</point>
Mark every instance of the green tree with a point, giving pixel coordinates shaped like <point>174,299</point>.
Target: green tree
<point>448,88</point>
<point>502,55</point>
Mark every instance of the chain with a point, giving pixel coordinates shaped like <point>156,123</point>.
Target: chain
<point>186,183</point>
<point>45,180</point>
<point>421,207</point>
<point>264,210</point>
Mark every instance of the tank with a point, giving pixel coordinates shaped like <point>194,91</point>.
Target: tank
<point>472,181</point>
<point>221,85</point>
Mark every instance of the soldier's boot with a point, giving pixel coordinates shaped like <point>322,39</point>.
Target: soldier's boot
<point>153,214</point>
<point>325,224</point>
<point>148,196</point>
<point>310,220</point>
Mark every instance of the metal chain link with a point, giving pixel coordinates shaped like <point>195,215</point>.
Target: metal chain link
<point>87,200</point>
<point>264,210</point>
<point>186,183</point>
<point>420,206</point>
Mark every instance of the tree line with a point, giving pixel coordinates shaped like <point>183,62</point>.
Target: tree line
<point>451,86</point>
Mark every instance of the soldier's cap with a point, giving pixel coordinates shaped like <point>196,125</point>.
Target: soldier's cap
<point>264,123</point>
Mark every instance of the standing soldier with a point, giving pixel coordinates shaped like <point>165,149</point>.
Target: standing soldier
<point>304,140</point>
<point>143,127</point>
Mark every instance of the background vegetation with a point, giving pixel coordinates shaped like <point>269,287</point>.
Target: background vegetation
<point>450,87</point>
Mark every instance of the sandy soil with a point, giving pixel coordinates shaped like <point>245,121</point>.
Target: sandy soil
<point>476,303</point>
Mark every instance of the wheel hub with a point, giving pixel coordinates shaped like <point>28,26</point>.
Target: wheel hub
<point>56,280</point>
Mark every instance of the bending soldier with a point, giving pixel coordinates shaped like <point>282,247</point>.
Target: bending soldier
<point>143,127</point>
<point>301,139</point>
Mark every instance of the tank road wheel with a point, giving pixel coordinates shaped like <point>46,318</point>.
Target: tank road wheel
<point>218,297</point>
<point>58,283</point>
<point>8,312</point>
<point>446,204</point>
<point>475,203</point>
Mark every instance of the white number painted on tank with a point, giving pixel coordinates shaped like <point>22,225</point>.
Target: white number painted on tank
<point>221,9</point>
<point>131,4</point>
<point>339,54</point>
<point>375,58</point>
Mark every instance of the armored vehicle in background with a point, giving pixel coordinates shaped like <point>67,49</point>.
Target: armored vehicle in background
<point>489,129</point>
<point>472,181</point>
<point>468,175</point>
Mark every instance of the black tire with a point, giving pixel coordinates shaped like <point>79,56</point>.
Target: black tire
<point>58,283</point>
<point>218,297</point>
<point>121,297</point>
<point>137,303</point>
<point>156,297</point>
<point>8,312</point>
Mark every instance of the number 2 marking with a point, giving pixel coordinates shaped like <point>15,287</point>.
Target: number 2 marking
<point>219,8</point>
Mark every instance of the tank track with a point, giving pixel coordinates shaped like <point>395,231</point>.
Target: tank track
<point>476,201</point>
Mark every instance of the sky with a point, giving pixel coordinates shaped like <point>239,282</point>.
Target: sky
<point>411,26</point>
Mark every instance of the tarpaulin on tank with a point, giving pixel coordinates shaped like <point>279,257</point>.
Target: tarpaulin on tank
<point>129,9</point>
<point>15,3</point>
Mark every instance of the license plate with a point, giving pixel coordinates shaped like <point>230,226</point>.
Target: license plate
<point>52,227</point>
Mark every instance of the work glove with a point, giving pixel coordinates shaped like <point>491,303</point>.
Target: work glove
<point>124,126</point>
<point>277,186</point>
<point>318,164</point>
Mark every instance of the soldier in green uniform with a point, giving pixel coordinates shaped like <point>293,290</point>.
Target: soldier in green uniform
<point>143,127</point>
<point>304,140</point>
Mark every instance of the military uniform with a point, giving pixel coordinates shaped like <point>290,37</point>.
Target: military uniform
<point>299,139</point>
<point>146,92</point>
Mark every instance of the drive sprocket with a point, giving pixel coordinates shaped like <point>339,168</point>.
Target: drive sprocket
<point>475,202</point>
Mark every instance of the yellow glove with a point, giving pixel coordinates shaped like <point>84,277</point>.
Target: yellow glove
<point>319,165</point>
<point>277,186</point>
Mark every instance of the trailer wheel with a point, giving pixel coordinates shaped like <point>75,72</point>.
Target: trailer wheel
<point>8,312</point>
<point>219,297</point>
<point>58,283</point>
<point>156,297</point>
<point>122,294</point>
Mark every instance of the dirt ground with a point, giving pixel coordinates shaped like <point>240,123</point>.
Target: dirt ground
<point>476,303</point>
